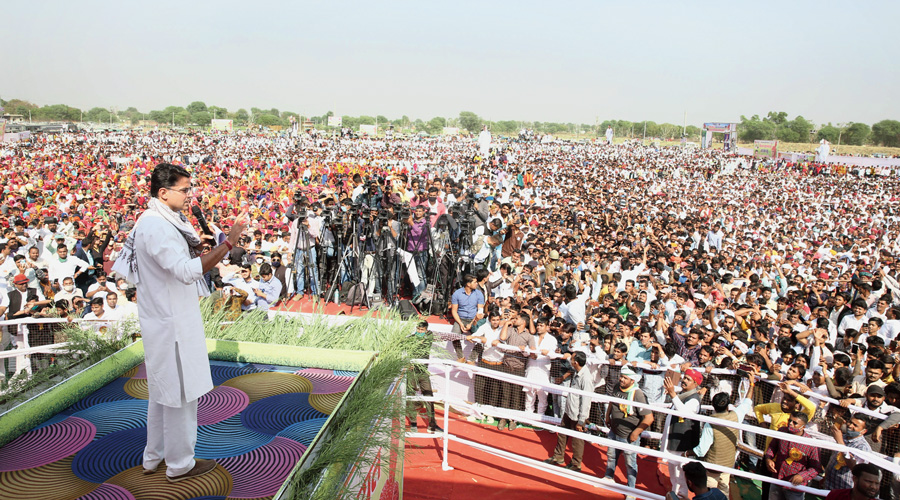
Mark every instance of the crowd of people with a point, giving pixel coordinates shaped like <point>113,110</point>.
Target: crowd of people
<point>628,270</point>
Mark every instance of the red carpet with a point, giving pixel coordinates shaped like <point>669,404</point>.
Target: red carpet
<point>481,476</point>
<point>307,305</point>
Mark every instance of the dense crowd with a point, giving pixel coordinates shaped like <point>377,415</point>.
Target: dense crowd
<point>628,270</point>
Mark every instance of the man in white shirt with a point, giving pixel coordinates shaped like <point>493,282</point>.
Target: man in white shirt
<point>68,292</point>
<point>100,289</point>
<point>65,265</point>
<point>487,389</point>
<point>97,311</point>
<point>244,281</point>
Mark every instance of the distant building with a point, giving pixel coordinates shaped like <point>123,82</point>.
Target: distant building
<point>12,118</point>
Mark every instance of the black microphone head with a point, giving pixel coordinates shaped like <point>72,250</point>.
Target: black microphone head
<point>195,209</point>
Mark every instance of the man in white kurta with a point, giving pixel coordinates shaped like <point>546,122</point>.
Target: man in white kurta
<point>169,283</point>
<point>539,369</point>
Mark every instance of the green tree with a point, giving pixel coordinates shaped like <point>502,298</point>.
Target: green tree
<point>470,121</point>
<point>183,118</point>
<point>506,127</point>
<point>383,121</point>
<point>754,129</point>
<point>202,118</point>
<point>98,115</point>
<point>196,107</point>
<point>350,122</point>
<point>268,120</point>
<point>856,134</point>
<point>19,107</point>
<point>436,125</point>
<point>828,132</point>
<point>802,128</point>
<point>778,118</point>
<point>366,120</point>
<point>241,117</point>
<point>886,133</point>
<point>217,112</point>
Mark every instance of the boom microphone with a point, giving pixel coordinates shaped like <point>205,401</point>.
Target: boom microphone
<point>201,219</point>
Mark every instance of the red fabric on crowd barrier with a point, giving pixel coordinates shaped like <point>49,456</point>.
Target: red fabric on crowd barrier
<point>307,305</point>
<point>480,475</point>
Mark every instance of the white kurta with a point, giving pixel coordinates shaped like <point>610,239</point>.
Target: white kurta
<point>539,369</point>
<point>169,313</point>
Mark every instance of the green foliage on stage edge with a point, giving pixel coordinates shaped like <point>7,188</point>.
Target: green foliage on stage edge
<point>83,348</point>
<point>352,424</point>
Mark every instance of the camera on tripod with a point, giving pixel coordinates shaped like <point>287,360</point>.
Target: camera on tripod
<point>404,212</point>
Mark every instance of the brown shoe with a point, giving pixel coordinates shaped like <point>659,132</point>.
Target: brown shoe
<point>151,471</point>
<point>202,466</point>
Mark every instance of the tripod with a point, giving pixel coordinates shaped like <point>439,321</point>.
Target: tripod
<point>310,275</point>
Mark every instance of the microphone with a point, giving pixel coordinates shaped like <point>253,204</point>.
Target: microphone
<point>201,219</point>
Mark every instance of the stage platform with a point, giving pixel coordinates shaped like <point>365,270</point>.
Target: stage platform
<point>256,423</point>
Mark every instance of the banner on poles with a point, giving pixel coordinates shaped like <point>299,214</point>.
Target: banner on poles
<point>765,149</point>
<point>335,121</point>
<point>223,125</point>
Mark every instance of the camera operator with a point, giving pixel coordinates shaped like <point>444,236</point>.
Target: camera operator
<point>417,244</point>
<point>304,244</point>
<point>298,208</point>
<point>387,233</point>
<point>370,271</point>
<point>432,203</point>
<point>370,197</point>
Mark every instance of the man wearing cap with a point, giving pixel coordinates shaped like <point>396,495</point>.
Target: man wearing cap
<point>23,301</point>
<point>626,423</point>
<point>874,400</point>
<point>684,433</point>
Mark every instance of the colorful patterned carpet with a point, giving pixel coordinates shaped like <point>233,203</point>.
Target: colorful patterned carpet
<point>256,423</point>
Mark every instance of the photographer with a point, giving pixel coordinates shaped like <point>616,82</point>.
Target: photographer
<point>370,197</point>
<point>371,270</point>
<point>417,244</point>
<point>304,244</point>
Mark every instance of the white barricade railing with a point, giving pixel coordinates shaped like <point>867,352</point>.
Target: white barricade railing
<point>715,371</point>
<point>23,351</point>
<point>450,366</point>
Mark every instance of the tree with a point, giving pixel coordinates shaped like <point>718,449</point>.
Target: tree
<point>196,107</point>
<point>778,118</point>
<point>470,121</point>
<point>217,112</point>
<point>182,118</point>
<point>202,118</point>
<point>366,120</point>
<point>98,115</point>
<point>268,120</point>
<point>856,134</point>
<point>801,127</point>
<point>19,107</point>
<point>886,133</point>
<point>241,116</point>
<point>436,125</point>
<point>828,132</point>
<point>506,127</point>
<point>754,129</point>
<point>382,121</point>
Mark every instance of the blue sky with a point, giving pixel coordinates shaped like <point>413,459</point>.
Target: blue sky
<point>544,61</point>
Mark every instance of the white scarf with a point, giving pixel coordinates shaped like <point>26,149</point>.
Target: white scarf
<point>126,264</point>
